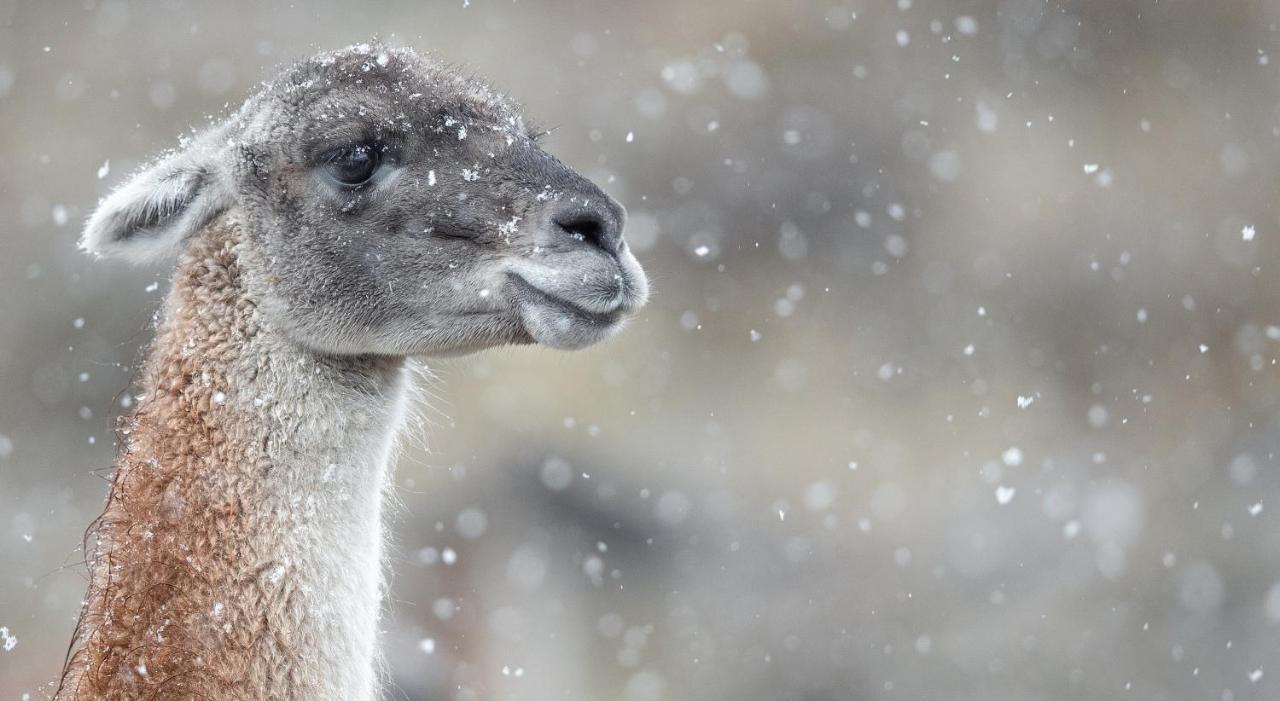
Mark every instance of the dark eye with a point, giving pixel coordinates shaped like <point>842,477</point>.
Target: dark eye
<point>354,166</point>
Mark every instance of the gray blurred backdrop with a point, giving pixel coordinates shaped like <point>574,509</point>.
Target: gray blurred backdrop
<point>959,381</point>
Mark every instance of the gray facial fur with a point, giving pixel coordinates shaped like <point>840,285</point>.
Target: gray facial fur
<point>467,235</point>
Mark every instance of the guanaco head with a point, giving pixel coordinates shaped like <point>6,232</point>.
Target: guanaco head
<point>396,208</point>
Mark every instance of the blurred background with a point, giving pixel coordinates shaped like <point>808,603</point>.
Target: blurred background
<point>959,381</point>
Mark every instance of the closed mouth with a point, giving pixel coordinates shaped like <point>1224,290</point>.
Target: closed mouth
<point>530,294</point>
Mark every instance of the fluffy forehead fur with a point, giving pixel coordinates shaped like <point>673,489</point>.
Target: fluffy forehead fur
<point>466,235</point>
<point>343,94</point>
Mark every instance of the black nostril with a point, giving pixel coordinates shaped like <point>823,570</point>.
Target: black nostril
<point>593,225</point>
<point>584,226</point>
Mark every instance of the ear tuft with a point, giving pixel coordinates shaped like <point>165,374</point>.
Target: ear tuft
<point>151,215</point>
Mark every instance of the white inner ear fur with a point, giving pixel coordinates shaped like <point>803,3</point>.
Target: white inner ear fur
<point>149,217</point>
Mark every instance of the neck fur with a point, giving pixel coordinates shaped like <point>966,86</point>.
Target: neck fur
<point>238,556</point>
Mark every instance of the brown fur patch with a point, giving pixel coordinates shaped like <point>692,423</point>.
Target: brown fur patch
<point>177,607</point>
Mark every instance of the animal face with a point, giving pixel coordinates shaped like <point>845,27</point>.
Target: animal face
<point>396,208</point>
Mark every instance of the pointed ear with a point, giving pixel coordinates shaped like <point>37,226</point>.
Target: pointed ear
<point>149,217</point>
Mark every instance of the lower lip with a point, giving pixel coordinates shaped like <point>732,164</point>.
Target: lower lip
<point>594,318</point>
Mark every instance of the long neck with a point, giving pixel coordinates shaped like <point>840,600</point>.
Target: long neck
<point>239,553</point>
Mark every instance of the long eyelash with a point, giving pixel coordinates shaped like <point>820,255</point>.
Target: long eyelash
<point>337,153</point>
<point>536,133</point>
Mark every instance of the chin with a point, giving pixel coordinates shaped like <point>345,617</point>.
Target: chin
<point>561,332</point>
